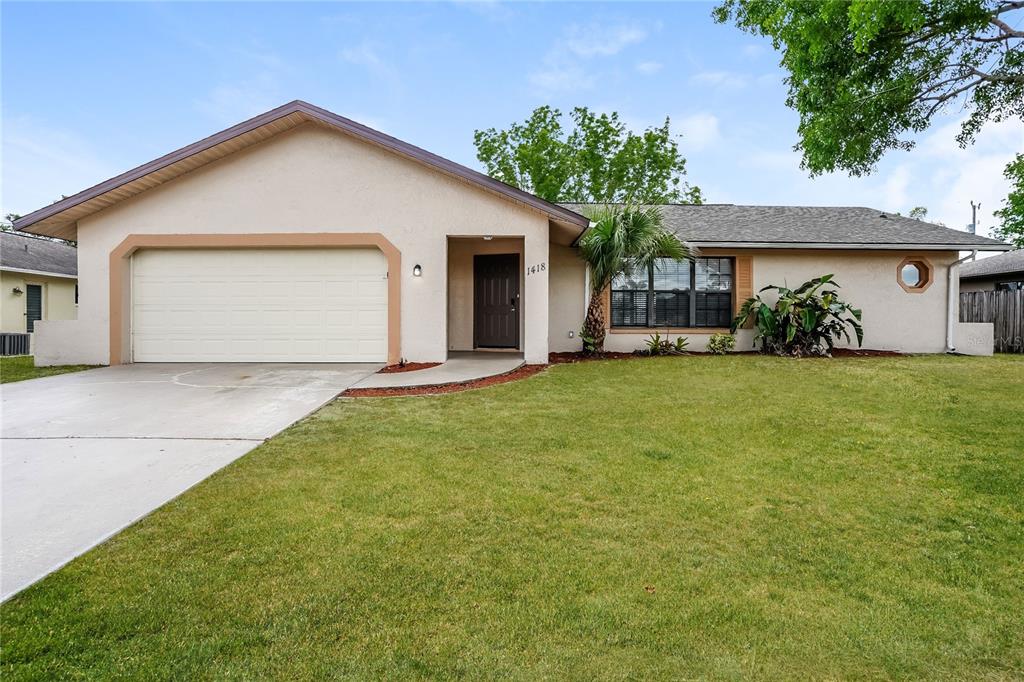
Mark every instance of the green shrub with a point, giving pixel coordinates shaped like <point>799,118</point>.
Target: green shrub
<point>656,345</point>
<point>720,344</point>
<point>590,344</point>
<point>807,320</point>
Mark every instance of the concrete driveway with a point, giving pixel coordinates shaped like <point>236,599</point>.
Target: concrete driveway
<point>86,454</point>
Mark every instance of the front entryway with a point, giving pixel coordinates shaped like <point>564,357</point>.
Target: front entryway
<point>496,300</point>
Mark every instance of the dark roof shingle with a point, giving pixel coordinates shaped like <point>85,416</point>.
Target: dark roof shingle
<point>1004,263</point>
<point>22,252</point>
<point>819,225</point>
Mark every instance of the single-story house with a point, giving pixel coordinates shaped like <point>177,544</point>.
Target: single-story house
<point>38,281</point>
<point>995,273</point>
<point>303,236</point>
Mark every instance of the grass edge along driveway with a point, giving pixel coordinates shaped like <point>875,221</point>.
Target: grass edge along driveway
<point>20,368</point>
<point>696,517</point>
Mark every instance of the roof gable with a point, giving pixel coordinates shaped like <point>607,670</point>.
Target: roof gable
<point>58,219</point>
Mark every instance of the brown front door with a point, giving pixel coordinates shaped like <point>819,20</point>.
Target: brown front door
<point>496,301</point>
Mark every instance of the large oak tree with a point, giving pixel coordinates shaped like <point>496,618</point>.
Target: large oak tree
<point>598,160</point>
<point>864,75</point>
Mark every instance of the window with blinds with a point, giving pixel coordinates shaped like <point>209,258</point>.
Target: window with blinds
<point>696,293</point>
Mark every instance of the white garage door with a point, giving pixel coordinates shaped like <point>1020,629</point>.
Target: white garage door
<point>259,305</point>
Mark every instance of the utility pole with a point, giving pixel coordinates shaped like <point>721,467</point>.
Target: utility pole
<point>974,217</point>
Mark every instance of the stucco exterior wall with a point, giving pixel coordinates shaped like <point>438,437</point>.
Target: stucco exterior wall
<point>567,308</point>
<point>66,342</point>
<point>893,319</point>
<point>627,342</point>
<point>58,299</point>
<point>461,285</point>
<point>974,338</point>
<point>310,180</point>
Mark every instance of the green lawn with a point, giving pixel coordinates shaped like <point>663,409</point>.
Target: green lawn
<point>667,518</point>
<point>19,368</point>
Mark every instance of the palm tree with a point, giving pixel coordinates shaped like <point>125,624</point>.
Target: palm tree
<point>622,239</point>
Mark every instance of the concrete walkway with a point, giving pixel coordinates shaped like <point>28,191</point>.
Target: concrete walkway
<point>461,366</point>
<point>88,453</point>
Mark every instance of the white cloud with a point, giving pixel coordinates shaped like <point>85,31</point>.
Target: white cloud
<point>753,51</point>
<point>700,130</point>
<point>492,10</point>
<point>894,188</point>
<point>593,40</point>
<point>42,163</point>
<point>726,80</point>
<point>555,77</point>
<point>563,68</point>
<point>265,58</point>
<point>234,102</point>
<point>367,55</point>
<point>383,125</point>
<point>772,160</point>
<point>958,176</point>
<point>648,68</point>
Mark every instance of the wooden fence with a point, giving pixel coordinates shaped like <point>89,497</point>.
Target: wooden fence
<point>1004,309</point>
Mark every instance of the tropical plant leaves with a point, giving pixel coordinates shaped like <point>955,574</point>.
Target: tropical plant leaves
<point>803,321</point>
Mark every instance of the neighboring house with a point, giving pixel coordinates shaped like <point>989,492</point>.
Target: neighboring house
<point>302,236</point>
<point>1005,271</point>
<point>38,281</point>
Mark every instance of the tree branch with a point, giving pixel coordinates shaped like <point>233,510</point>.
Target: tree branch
<point>1009,6</point>
<point>998,77</point>
<point>939,100</point>
<point>1001,38</point>
<point>1007,30</point>
<point>950,94</point>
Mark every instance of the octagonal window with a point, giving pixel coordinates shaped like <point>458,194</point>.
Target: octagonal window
<point>914,275</point>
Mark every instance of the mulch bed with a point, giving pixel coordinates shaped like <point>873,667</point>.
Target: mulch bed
<point>516,374</point>
<point>407,367</point>
<point>864,353</point>
<point>564,358</point>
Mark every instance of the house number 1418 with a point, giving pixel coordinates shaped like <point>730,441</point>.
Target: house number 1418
<point>534,269</point>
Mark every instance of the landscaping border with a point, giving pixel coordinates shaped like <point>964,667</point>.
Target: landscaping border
<point>521,372</point>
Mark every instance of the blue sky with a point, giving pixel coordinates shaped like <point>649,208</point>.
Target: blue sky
<point>91,90</point>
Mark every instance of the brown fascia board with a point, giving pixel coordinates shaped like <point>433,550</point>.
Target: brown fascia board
<point>340,122</point>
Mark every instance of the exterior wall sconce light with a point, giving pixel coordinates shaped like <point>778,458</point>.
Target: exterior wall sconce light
<point>17,291</point>
<point>417,270</point>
